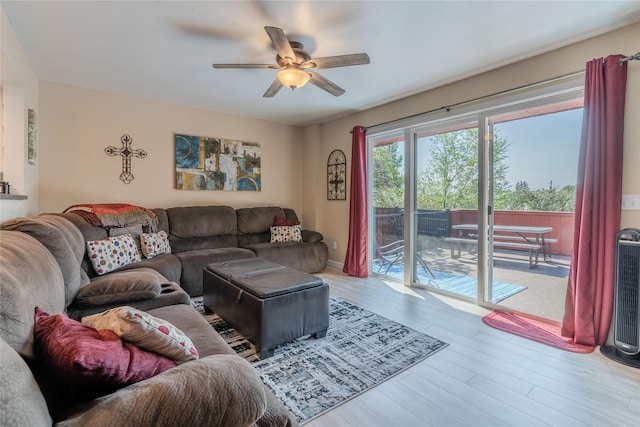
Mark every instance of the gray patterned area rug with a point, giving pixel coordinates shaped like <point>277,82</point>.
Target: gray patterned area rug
<point>361,350</point>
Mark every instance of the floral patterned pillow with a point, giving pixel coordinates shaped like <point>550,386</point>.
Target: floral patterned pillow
<point>154,244</point>
<point>145,331</point>
<point>292,233</point>
<point>112,253</point>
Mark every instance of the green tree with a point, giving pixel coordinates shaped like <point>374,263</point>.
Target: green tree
<point>388,176</point>
<point>450,180</point>
<point>550,199</point>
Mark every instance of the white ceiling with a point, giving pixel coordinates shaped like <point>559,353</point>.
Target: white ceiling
<point>164,49</point>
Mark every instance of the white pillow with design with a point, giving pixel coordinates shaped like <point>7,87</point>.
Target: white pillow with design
<point>154,244</point>
<point>286,233</point>
<point>112,253</point>
<point>134,230</point>
<point>145,331</point>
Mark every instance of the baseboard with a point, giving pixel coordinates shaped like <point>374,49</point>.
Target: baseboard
<point>335,264</point>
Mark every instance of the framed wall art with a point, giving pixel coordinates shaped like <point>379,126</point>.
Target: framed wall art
<point>204,163</point>
<point>32,137</point>
<point>337,176</point>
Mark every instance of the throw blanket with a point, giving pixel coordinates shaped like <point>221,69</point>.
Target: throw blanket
<point>111,215</point>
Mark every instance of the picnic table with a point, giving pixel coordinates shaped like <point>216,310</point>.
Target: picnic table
<point>519,237</point>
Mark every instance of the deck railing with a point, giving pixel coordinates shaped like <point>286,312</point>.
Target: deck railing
<point>437,223</point>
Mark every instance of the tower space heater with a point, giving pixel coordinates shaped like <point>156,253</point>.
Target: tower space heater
<point>626,315</point>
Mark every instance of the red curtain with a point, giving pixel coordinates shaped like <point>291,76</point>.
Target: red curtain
<point>590,291</point>
<point>355,263</point>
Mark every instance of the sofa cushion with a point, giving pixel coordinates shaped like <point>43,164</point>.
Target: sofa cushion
<point>170,294</point>
<point>29,277</point>
<point>254,224</point>
<point>258,219</point>
<point>201,227</point>
<point>95,361</point>
<point>154,244</point>
<point>145,331</point>
<point>303,256</point>
<point>221,390</point>
<point>312,236</point>
<point>193,323</point>
<point>63,240</point>
<point>194,262</point>
<point>286,233</point>
<point>114,252</point>
<point>166,264</point>
<point>21,402</point>
<point>121,287</point>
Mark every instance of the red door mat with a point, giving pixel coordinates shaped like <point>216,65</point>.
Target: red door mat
<point>536,330</point>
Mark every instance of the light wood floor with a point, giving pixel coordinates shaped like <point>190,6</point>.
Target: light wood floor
<point>485,376</point>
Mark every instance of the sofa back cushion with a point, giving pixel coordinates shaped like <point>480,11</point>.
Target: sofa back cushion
<point>64,241</point>
<point>163,219</point>
<point>254,224</point>
<point>201,227</point>
<point>29,277</point>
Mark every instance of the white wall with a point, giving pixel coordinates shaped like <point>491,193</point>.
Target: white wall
<point>20,93</point>
<point>332,216</point>
<point>76,125</point>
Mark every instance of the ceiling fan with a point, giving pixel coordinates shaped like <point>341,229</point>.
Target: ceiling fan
<point>295,65</point>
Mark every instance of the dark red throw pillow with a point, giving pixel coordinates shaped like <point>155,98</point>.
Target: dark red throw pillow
<point>279,221</point>
<point>97,361</point>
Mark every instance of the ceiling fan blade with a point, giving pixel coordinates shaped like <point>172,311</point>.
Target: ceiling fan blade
<point>281,43</point>
<point>274,66</point>
<point>273,89</point>
<point>337,61</point>
<point>323,83</point>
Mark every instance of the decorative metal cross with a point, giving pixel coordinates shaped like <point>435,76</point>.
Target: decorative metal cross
<point>126,152</point>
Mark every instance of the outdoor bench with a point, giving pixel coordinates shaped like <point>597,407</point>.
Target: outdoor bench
<point>457,243</point>
<point>547,242</point>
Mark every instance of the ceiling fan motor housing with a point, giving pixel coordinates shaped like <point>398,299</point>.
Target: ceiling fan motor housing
<point>301,55</point>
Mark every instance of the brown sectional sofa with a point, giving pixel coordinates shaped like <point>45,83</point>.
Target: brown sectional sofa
<point>43,264</point>
<point>200,235</point>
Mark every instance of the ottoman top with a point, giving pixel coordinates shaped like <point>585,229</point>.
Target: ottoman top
<point>273,283</point>
<point>240,267</point>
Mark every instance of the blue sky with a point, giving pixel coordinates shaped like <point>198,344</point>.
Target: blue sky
<point>543,149</point>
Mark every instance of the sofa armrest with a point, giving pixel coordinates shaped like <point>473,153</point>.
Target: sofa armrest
<point>311,236</point>
<point>218,390</point>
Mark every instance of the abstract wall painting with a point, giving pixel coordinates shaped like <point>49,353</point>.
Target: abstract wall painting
<point>204,163</point>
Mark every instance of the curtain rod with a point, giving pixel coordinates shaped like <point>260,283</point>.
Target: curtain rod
<point>635,57</point>
<point>457,104</point>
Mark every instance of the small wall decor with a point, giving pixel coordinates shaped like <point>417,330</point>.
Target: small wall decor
<point>204,163</point>
<point>126,152</point>
<point>32,140</point>
<point>337,176</point>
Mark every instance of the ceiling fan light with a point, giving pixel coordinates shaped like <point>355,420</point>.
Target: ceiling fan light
<point>293,77</point>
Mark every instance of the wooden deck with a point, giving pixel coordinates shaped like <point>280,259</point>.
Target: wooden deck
<point>546,284</point>
<point>485,376</point>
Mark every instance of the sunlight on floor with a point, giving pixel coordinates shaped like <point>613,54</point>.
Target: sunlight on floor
<point>331,273</point>
<point>401,288</point>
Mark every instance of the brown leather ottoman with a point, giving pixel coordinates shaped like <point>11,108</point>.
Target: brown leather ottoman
<point>267,303</point>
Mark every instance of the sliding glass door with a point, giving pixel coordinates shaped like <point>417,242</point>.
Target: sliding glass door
<point>478,203</point>
<point>532,192</point>
<point>446,194</point>
<point>387,210</point>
